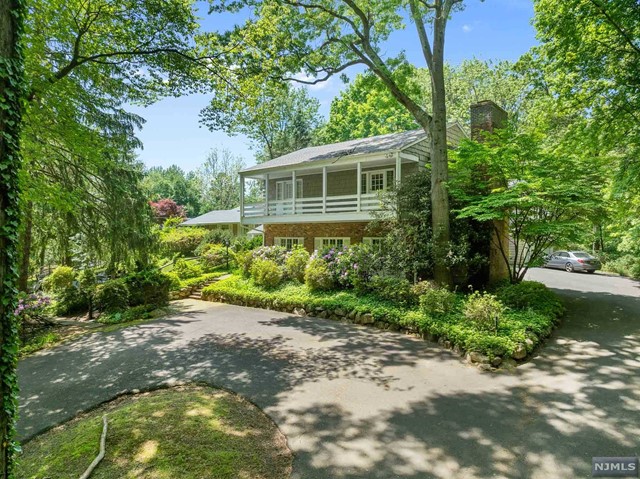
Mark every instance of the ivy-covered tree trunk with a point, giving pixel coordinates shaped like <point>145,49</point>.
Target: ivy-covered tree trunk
<point>26,240</point>
<point>11,98</point>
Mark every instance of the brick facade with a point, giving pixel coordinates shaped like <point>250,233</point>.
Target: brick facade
<point>310,231</point>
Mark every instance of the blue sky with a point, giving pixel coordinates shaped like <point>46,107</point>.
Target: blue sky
<point>490,30</point>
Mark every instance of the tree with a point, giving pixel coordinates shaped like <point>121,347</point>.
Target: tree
<point>277,118</point>
<point>367,107</point>
<point>12,86</point>
<point>165,209</point>
<point>325,37</point>
<point>219,180</point>
<point>173,183</point>
<point>587,67</point>
<point>84,60</point>
<point>546,198</point>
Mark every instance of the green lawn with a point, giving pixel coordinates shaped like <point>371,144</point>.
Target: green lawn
<point>186,433</point>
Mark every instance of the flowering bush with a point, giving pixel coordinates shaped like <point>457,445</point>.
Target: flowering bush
<point>352,266</point>
<point>317,276</point>
<point>296,263</point>
<point>266,273</point>
<point>32,307</point>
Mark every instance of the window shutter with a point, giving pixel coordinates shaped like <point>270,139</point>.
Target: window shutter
<point>390,175</point>
<point>364,183</point>
<point>317,244</point>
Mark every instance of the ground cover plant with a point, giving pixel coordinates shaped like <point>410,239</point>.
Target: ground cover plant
<point>479,323</point>
<point>188,432</point>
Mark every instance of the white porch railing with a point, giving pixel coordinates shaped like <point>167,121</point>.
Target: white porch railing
<point>316,205</point>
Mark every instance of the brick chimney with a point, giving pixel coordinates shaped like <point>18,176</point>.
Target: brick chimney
<point>486,116</point>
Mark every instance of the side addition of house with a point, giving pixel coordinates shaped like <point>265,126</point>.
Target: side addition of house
<point>325,195</point>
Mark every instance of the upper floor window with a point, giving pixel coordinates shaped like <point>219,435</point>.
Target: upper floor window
<point>284,189</point>
<point>378,180</point>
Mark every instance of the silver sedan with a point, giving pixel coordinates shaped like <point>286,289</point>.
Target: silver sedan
<point>573,261</point>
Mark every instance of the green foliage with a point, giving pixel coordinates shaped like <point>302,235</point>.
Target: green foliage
<point>215,237</point>
<point>172,182</point>
<point>515,327</point>
<point>436,301</point>
<point>422,287</point>
<point>148,287</point>
<point>484,310</point>
<point>396,290</point>
<point>70,301</point>
<point>244,243</point>
<point>266,273</point>
<point>181,240</point>
<point>198,281</point>
<point>60,279</point>
<point>218,180</point>
<point>317,276</point>
<point>215,256</point>
<point>186,269</point>
<point>135,313</point>
<point>277,118</point>
<point>548,198</point>
<point>531,295</point>
<point>296,263</point>
<point>626,265</point>
<point>112,296</point>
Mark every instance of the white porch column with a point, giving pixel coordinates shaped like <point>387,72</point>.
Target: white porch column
<point>324,189</point>
<point>266,194</point>
<point>398,168</point>
<point>359,183</point>
<point>294,192</point>
<point>241,198</point>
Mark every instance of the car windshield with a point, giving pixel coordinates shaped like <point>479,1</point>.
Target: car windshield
<point>580,254</point>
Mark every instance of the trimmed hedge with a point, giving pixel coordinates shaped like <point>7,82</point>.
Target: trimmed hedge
<point>519,329</point>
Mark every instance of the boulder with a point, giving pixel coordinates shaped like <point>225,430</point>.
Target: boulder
<point>497,361</point>
<point>520,352</point>
<point>484,367</point>
<point>476,357</point>
<point>367,318</point>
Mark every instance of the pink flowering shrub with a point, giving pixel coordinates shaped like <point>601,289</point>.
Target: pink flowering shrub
<point>32,307</point>
<point>352,267</point>
<point>167,208</point>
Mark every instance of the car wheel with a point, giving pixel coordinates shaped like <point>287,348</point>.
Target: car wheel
<point>568,268</point>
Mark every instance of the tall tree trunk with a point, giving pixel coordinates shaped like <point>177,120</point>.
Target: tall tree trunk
<point>11,94</point>
<point>25,245</point>
<point>439,160</point>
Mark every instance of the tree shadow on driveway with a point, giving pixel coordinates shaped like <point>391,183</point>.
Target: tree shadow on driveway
<point>355,402</point>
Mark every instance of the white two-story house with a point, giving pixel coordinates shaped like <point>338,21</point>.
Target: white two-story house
<point>325,195</point>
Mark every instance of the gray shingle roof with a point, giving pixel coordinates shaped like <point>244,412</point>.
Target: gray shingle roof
<point>215,217</point>
<point>374,144</point>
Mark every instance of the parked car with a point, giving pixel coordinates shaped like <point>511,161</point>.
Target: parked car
<point>573,261</point>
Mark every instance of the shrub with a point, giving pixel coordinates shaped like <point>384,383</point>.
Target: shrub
<point>181,240</point>
<point>627,265</point>
<point>70,301</point>
<point>132,314</point>
<point>423,287</point>
<point>214,256</point>
<point>244,243</point>
<point>438,301</point>
<point>266,273</point>
<point>176,283</point>
<point>531,295</point>
<point>112,296</point>
<point>149,286</point>
<point>278,254</point>
<point>245,259</point>
<point>187,269</point>
<point>60,279</point>
<point>317,276</point>
<point>393,289</point>
<point>215,237</point>
<point>296,263</point>
<point>484,310</point>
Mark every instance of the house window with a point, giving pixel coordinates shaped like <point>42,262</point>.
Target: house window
<point>288,243</point>
<point>284,189</point>
<point>321,243</point>
<point>373,241</point>
<point>379,180</point>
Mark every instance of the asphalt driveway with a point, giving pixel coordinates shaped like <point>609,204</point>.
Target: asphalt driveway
<point>355,402</point>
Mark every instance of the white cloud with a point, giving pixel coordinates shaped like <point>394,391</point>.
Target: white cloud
<point>466,28</point>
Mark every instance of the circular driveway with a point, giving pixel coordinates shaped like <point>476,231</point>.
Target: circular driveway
<point>355,402</point>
